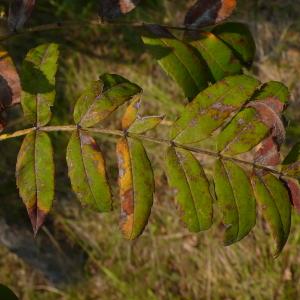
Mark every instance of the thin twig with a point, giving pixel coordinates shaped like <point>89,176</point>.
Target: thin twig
<point>92,23</point>
<point>156,140</point>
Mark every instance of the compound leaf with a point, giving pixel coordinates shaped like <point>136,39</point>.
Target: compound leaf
<point>35,176</point>
<point>136,184</point>
<point>38,83</point>
<point>187,177</point>
<point>235,199</point>
<point>87,172</point>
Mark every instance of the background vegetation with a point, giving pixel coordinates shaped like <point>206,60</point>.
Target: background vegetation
<point>80,254</point>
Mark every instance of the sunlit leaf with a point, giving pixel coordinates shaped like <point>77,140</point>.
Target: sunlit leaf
<point>220,59</point>
<point>136,187</point>
<point>187,177</point>
<point>239,38</point>
<point>212,107</point>
<point>235,199</point>
<point>19,13</point>
<point>38,83</point>
<point>177,59</point>
<point>209,12</point>
<point>35,176</point>
<point>87,172</point>
<point>103,97</point>
<point>275,206</point>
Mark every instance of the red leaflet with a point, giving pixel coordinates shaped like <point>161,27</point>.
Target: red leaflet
<point>19,13</point>
<point>268,154</point>
<point>269,111</point>
<point>209,12</point>
<point>10,86</point>
<point>111,9</point>
<point>294,188</point>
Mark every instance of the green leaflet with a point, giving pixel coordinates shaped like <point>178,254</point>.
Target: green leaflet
<point>275,204</point>
<point>103,97</point>
<point>208,57</point>
<point>239,38</point>
<point>38,83</point>
<point>291,164</point>
<point>187,177</point>
<point>250,126</point>
<point>293,156</point>
<point>177,59</point>
<point>136,183</point>
<point>87,172</point>
<point>144,124</point>
<point>35,176</point>
<point>235,199</point>
<point>273,89</point>
<point>212,107</point>
<point>243,133</point>
<point>219,57</point>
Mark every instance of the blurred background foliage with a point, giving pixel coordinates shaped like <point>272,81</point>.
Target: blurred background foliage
<point>80,255</point>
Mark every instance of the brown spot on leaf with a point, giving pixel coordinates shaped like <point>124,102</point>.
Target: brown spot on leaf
<point>269,111</point>
<point>269,153</point>
<point>127,204</point>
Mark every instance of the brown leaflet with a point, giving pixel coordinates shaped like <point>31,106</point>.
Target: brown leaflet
<point>111,9</point>
<point>19,13</point>
<point>268,154</point>
<point>209,12</point>
<point>269,111</point>
<point>10,85</point>
<point>37,218</point>
<point>294,188</point>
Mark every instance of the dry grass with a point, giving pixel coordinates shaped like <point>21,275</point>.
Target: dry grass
<point>167,262</point>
